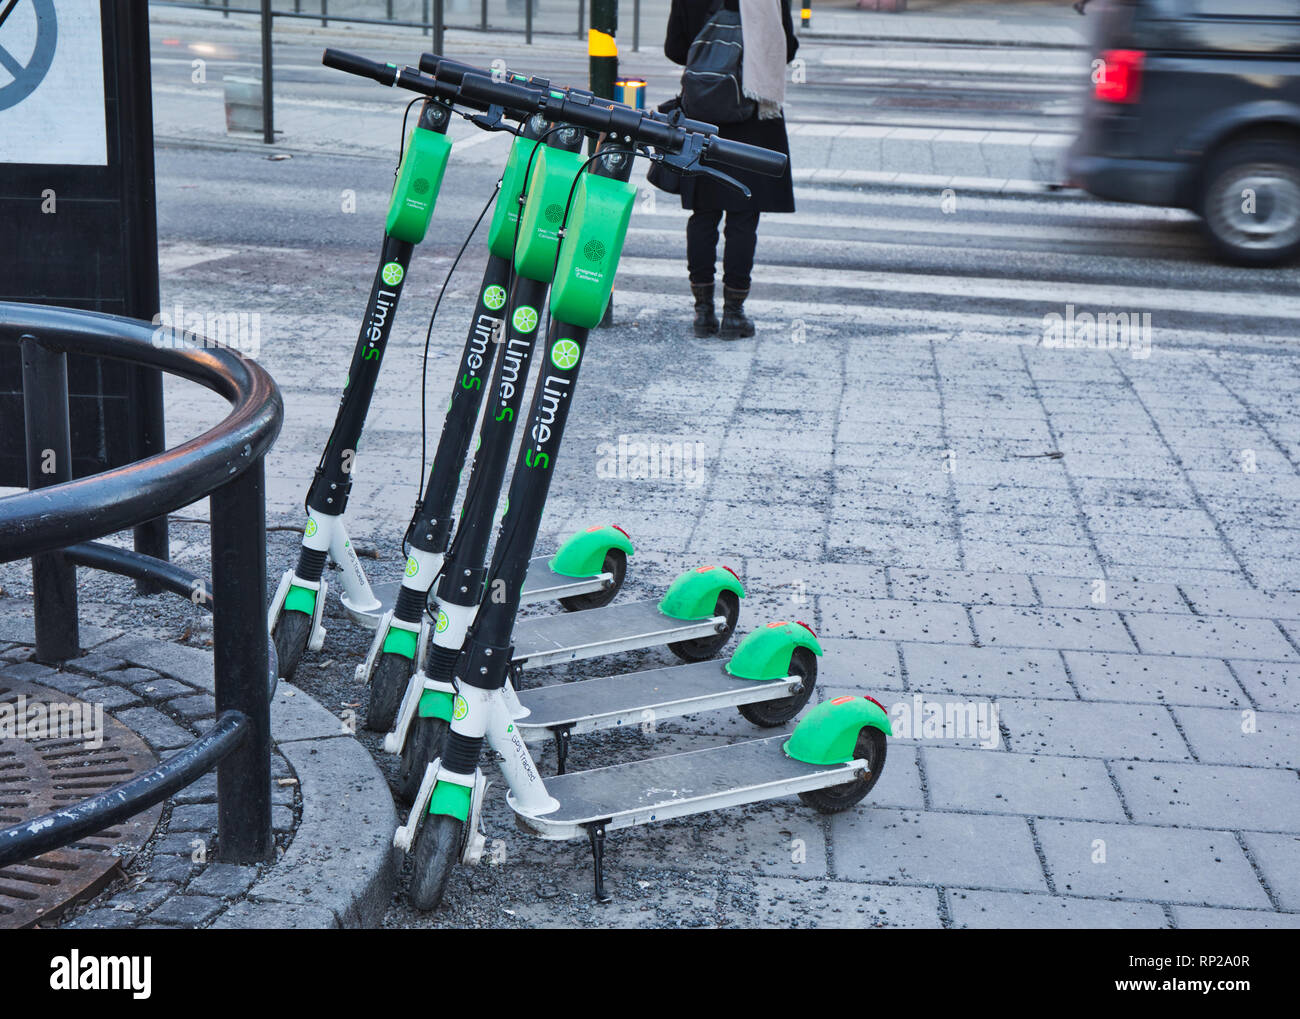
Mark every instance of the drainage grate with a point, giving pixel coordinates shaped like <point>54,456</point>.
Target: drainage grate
<point>43,773</point>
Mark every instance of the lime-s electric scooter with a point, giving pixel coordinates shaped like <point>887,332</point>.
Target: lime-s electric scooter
<point>832,758</point>
<point>699,612</point>
<point>297,607</point>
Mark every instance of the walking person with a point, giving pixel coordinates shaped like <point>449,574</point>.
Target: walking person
<point>769,44</point>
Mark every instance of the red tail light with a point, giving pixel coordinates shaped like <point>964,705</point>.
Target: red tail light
<point>1118,79</point>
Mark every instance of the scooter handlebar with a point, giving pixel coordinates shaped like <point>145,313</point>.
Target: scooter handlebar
<point>385,74</point>
<point>450,71</point>
<point>725,152</point>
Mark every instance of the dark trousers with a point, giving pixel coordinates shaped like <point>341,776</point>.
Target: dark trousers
<point>741,233</point>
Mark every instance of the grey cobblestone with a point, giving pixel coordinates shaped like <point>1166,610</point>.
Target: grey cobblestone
<point>112,697</point>
<point>1169,680</point>
<point>1220,637</point>
<point>223,880</point>
<point>989,671</point>
<point>159,731</point>
<point>186,910</point>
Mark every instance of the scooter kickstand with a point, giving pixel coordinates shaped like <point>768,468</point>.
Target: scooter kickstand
<point>596,836</point>
<point>563,737</point>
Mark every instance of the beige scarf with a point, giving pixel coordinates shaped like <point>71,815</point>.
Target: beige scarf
<point>763,58</point>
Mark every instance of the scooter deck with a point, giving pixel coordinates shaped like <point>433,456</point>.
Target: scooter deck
<point>624,795</point>
<point>541,584</point>
<point>548,640</point>
<point>612,701</point>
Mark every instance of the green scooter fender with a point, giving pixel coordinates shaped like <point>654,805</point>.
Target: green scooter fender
<point>416,189</point>
<point>694,594</point>
<point>828,734</point>
<point>435,704</point>
<point>300,599</point>
<point>765,653</point>
<point>583,554</point>
<point>401,642</point>
<point>451,800</point>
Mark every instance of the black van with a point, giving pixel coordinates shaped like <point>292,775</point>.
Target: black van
<point>1196,104</point>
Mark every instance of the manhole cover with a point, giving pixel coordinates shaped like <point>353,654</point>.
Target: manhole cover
<point>54,762</point>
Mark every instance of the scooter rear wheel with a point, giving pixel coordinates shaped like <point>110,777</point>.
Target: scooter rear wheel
<point>831,800</point>
<point>423,744</point>
<point>292,630</point>
<point>770,714</point>
<point>387,685</point>
<point>437,848</point>
<point>615,563</point>
<point>700,649</point>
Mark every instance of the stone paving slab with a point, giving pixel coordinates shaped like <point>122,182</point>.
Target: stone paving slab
<point>936,848</point>
<point>1002,783</point>
<point>1262,799</point>
<point>1134,861</point>
<point>987,910</point>
<point>1092,729</point>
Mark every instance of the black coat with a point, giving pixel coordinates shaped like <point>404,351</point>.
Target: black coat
<point>769,194</point>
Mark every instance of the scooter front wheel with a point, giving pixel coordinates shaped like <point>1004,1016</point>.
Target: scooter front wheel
<point>291,633</point>
<point>831,800</point>
<point>700,649</point>
<point>437,848</point>
<point>769,714</point>
<point>388,683</point>
<point>423,744</point>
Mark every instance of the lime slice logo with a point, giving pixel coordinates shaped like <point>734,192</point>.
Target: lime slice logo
<point>310,529</point>
<point>565,354</point>
<point>525,319</point>
<point>421,186</point>
<point>594,250</point>
<point>392,273</point>
<point>442,622</point>
<point>459,708</point>
<point>412,567</point>
<point>494,297</point>
<point>555,212</point>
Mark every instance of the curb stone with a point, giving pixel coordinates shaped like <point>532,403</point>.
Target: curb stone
<point>338,869</point>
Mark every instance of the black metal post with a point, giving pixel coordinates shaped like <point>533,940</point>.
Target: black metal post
<point>528,21</point>
<point>239,639</point>
<point>483,16</point>
<point>268,119</point>
<point>582,18</point>
<point>49,461</point>
<point>439,26</point>
<point>636,26</point>
<point>324,12</point>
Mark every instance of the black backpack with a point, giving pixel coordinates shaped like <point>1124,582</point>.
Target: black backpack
<point>712,89</point>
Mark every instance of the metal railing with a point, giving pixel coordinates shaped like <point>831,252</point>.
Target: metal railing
<point>432,20</point>
<point>56,522</point>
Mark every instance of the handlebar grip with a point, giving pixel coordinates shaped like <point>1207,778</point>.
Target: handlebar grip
<point>500,93</point>
<point>353,64</point>
<point>726,152</point>
<point>450,71</point>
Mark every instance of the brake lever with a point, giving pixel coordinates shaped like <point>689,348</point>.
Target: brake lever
<point>490,119</point>
<point>688,162</point>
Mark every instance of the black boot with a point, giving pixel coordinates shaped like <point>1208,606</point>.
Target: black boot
<point>734,323</point>
<point>706,321</point>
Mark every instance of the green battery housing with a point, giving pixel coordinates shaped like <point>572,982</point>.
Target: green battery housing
<point>501,233</point>
<point>418,180</point>
<point>549,186</point>
<point>593,242</point>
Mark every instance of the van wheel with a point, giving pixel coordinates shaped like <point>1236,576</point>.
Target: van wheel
<point>1250,201</point>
